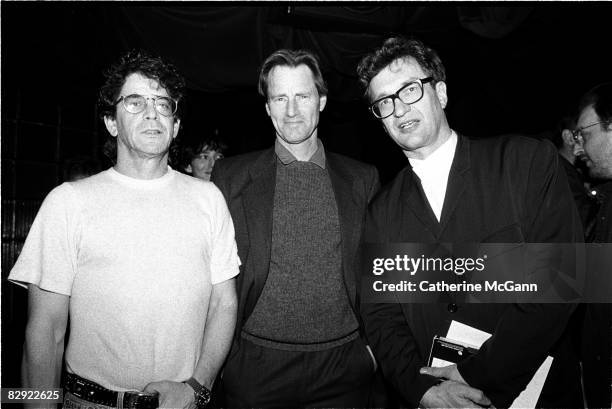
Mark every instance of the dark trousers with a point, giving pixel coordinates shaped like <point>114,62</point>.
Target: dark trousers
<point>597,355</point>
<point>257,376</point>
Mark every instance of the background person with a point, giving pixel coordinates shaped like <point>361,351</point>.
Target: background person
<point>197,157</point>
<point>593,138</point>
<point>575,170</point>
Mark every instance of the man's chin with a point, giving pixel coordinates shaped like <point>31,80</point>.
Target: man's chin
<point>600,174</point>
<point>295,139</point>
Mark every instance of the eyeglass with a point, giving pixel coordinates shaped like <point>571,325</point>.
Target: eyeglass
<point>136,103</point>
<point>577,133</point>
<point>408,94</point>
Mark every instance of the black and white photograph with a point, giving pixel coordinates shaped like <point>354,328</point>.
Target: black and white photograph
<point>306,204</point>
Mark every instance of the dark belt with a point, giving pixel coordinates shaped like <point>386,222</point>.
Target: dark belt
<point>92,392</point>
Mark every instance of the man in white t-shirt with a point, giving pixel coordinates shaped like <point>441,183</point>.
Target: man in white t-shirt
<point>142,259</point>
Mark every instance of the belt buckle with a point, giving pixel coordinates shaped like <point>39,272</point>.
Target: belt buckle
<point>78,389</point>
<point>140,400</point>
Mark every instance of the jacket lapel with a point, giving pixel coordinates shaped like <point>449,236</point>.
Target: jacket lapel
<point>258,203</point>
<point>456,180</point>
<point>416,202</point>
<point>348,217</point>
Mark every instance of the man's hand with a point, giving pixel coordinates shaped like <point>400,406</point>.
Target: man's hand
<point>446,372</point>
<point>172,394</point>
<point>451,394</point>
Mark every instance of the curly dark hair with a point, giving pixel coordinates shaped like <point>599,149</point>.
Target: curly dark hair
<point>150,66</point>
<point>395,48</point>
<point>291,58</point>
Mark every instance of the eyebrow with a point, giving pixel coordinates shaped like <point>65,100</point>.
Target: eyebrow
<point>148,95</point>
<point>286,95</point>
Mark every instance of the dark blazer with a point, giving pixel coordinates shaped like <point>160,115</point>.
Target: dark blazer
<point>501,190</point>
<point>247,183</point>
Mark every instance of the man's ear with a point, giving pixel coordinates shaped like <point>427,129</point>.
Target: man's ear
<point>267,108</point>
<point>111,125</point>
<point>568,138</point>
<point>188,168</point>
<point>322,102</point>
<point>441,92</point>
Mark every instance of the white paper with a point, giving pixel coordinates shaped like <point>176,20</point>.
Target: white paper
<point>466,334</point>
<point>473,336</point>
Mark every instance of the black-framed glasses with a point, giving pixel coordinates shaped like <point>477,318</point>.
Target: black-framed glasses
<point>577,133</point>
<point>136,103</point>
<point>408,94</point>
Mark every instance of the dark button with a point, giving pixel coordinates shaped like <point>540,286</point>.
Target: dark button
<point>452,307</point>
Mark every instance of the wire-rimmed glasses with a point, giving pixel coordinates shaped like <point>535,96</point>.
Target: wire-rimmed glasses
<point>577,133</point>
<point>136,103</point>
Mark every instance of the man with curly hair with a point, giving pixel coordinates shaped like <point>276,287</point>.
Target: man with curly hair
<point>140,257</point>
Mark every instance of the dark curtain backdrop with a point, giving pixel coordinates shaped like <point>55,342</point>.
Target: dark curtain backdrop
<point>511,68</point>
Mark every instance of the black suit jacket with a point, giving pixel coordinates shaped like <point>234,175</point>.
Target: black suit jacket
<point>502,190</point>
<point>247,183</point>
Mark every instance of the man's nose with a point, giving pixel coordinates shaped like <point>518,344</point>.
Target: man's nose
<point>578,150</point>
<point>400,108</point>
<point>292,108</point>
<point>150,110</point>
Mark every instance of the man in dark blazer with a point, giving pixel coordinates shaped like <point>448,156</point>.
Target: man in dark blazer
<point>299,213</point>
<point>458,190</point>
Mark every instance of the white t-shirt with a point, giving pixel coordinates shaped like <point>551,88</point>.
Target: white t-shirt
<point>138,259</point>
<point>433,172</point>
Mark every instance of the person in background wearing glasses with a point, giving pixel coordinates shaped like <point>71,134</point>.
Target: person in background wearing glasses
<point>575,170</point>
<point>459,190</point>
<point>299,212</point>
<point>140,257</point>
<point>593,144</point>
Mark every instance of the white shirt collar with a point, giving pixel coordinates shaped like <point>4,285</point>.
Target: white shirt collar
<point>440,158</point>
<point>433,172</point>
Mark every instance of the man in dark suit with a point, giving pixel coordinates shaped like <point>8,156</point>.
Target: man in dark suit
<point>458,190</point>
<point>299,213</point>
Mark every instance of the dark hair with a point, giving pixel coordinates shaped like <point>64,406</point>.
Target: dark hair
<point>150,66</point>
<point>567,122</point>
<point>396,48</point>
<point>600,97</point>
<point>291,58</point>
<point>184,150</point>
